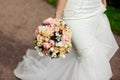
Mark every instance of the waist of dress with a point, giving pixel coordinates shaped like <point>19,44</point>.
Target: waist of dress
<point>83,12</point>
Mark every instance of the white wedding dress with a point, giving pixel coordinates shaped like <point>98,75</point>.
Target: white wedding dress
<point>93,47</point>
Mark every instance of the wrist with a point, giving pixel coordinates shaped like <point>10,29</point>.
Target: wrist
<point>58,14</point>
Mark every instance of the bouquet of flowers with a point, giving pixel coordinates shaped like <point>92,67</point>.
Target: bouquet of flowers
<point>53,38</point>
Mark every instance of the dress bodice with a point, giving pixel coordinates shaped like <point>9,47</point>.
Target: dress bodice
<point>82,8</point>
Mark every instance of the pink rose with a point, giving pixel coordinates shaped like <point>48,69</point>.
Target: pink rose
<point>56,21</point>
<point>39,27</point>
<point>64,39</point>
<point>48,21</point>
<point>47,52</point>
<point>52,29</point>
<point>46,45</point>
<point>36,32</point>
<point>48,25</point>
<point>64,32</point>
<point>52,43</point>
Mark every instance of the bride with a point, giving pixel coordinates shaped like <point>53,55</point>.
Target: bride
<point>93,46</point>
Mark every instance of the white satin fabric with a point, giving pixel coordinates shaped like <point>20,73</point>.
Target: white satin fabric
<point>77,9</point>
<point>93,47</point>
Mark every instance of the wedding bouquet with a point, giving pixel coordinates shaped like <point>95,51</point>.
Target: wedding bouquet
<point>53,38</point>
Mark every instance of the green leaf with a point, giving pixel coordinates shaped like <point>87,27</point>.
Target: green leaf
<point>35,42</point>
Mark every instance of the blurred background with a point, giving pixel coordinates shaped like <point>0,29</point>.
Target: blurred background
<point>19,19</point>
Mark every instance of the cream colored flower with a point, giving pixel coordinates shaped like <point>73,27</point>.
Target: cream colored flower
<point>46,39</point>
<point>46,32</point>
<point>39,37</point>
<point>62,50</point>
<point>39,43</point>
<point>62,55</point>
<point>40,40</point>
<point>59,43</point>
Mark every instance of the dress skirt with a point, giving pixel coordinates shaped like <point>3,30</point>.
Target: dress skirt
<point>93,47</point>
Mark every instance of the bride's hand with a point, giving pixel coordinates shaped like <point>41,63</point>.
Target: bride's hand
<point>60,5</point>
<point>57,15</point>
<point>104,3</point>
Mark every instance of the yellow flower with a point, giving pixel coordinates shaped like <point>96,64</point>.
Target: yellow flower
<point>39,43</point>
<point>56,48</point>
<point>62,49</point>
<point>46,39</point>
<point>69,33</point>
<point>46,32</point>
<point>61,27</point>
<point>39,37</point>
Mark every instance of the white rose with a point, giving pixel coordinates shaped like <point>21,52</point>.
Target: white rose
<point>52,49</point>
<point>54,54</point>
<point>59,44</point>
<point>62,55</point>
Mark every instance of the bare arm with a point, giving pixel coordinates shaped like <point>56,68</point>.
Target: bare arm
<point>60,5</point>
<point>104,2</point>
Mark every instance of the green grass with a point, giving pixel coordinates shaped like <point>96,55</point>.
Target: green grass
<point>53,2</point>
<point>114,18</point>
<point>112,13</point>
